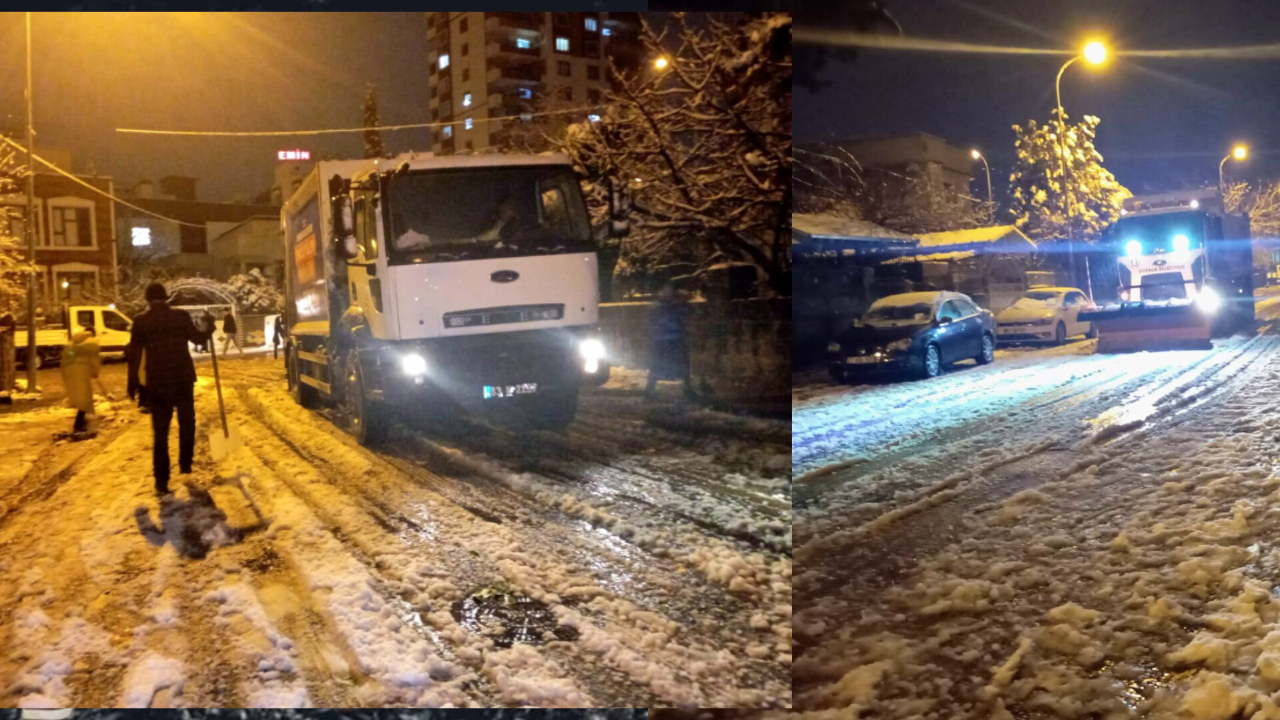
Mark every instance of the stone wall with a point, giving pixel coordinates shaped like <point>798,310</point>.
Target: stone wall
<point>737,348</point>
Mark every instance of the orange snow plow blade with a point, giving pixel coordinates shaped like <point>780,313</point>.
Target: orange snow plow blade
<point>1135,327</point>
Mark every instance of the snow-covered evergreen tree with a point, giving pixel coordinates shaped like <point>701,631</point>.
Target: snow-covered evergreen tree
<point>372,138</point>
<point>1039,199</point>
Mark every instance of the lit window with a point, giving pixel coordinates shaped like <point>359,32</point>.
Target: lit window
<point>141,236</point>
<point>526,93</point>
<point>606,32</point>
<point>562,44</point>
<point>523,43</point>
<point>444,61</point>
<point>467,123</point>
<point>593,118</point>
<point>466,99</point>
<point>591,24</point>
<point>448,131</point>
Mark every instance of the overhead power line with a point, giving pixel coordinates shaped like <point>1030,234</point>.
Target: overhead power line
<point>101,192</point>
<point>335,131</point>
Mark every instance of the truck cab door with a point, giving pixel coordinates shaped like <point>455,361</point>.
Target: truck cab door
<point>113,334</point>
<point>82,319</point>
<point>370,289</point>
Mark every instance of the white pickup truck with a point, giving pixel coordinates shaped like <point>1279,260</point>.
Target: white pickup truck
<point>111,326</point>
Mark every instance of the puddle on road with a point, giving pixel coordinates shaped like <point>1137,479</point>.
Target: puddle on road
<point>507,617</point>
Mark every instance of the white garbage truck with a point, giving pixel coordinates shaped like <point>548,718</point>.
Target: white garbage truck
<point>454,281</point>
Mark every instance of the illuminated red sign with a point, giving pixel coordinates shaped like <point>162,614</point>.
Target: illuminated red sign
<point>293,155</point>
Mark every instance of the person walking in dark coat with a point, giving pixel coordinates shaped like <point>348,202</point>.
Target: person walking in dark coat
<point>161,335</point>
<point>670,349</point>
<point>277,331</point>
<point>229,332</point>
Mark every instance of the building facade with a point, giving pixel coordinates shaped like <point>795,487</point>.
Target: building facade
<point>183,246</point>
<point>255,244</point>
<point>889,158</point>
<point>75,238</point>
<point>495,64</point>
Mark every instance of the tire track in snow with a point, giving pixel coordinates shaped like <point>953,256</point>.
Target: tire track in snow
<point>876,554</point>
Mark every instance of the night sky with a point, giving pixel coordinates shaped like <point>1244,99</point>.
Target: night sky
<point>243,71</point>
<point>1165,122</point>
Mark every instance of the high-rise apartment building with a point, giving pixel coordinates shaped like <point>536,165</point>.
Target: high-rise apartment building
<point>501,64</point>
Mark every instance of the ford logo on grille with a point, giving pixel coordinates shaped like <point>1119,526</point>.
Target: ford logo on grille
<point>1159,263</point>
<point>504,276</point>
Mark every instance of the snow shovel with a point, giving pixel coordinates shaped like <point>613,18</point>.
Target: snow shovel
<point>222,443</point>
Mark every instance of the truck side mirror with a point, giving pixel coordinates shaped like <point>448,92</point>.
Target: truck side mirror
<point>343,224</point>
<point>619,211</point>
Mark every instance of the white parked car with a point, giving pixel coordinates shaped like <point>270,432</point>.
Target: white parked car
<point>1046,314</point>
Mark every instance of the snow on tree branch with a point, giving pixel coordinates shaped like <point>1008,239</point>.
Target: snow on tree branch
<point>14,266</point>
<point>703,146</point>
<point>1041,204</point>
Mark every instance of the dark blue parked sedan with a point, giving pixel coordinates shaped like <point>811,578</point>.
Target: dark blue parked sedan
<point>913,333</point>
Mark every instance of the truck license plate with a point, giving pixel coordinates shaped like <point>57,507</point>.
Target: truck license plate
<point>858,360</point>
<point>505,391</point>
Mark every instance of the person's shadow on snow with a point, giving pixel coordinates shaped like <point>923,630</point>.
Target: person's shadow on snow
<point>197,525</point>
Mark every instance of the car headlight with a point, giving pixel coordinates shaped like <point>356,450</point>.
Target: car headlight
<point>1043,321</point>
<point>413,364</point>
<point>833,347</point>
<point>1208,301</point>
<point>898,345</point>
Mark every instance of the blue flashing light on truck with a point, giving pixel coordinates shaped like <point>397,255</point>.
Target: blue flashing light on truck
<point>461,281</point>
<point>1185,274</point>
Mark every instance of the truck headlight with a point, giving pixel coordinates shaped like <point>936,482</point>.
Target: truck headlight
<point>413,364</point>
<point>1207,300</point>
<point>898,345</point>
<point>592,351</point>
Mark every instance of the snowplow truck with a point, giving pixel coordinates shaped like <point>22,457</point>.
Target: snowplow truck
<point>1185,274</point>
<point>460,282</point>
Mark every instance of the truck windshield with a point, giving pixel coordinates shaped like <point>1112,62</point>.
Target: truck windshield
<point>1156,232</point>
<point>478,213</point>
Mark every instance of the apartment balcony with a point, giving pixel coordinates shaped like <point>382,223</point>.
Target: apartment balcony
<point>506,74</point>
<point>508,52</point>
<point>513,20</point>
<point>509,99</point>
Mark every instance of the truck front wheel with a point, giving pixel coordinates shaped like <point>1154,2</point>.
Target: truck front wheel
<point>553,409</point>
<point>369,420</point>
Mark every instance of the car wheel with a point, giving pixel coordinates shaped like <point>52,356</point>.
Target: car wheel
<point>988,353</point>
<point>1060,334</point>
<point>932,361</point>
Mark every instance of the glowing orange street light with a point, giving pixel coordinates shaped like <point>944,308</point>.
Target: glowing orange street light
<point>1239,152</point>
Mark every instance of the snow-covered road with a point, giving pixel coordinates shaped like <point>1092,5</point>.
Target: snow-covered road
<point>640,559</point>
<point>1059,534</point>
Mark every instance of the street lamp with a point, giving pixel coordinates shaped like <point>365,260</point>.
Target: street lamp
<point>1094,53</point>
<point>1239,152</point>
<point>660,63</point>
<point>978,156</point>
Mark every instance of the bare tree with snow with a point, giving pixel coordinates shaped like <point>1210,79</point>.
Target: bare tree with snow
<point>14,265</point>
<point>703,144</point>
<point>830,180</point>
